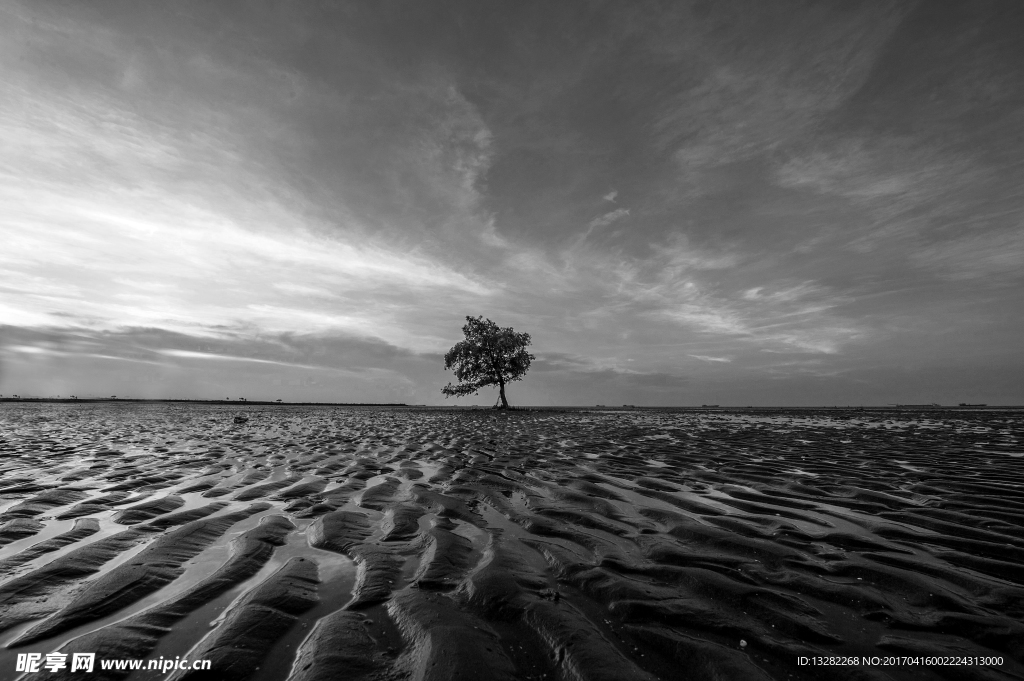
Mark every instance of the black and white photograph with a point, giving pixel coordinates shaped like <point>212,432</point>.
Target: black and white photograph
<point>512,340</point>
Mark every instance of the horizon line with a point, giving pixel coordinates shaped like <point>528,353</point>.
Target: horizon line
<point>243,402</point>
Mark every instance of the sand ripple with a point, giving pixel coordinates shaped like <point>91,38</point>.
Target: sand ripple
<point>318,543</point>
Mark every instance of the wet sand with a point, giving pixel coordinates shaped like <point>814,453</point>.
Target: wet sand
<point>367,543</point>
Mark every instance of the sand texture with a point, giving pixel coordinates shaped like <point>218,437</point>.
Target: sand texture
<point>318,543</point>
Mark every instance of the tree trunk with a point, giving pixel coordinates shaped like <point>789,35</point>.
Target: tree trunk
<point>501,391</point>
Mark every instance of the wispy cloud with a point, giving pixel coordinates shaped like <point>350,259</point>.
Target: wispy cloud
<point>165,278</point>
<point>974,256</point>
<point>608,218</point>
<point>213,357</point>
<point>786,294</point>
<point>124,220</point>
<point>40,350</point>
<point>795,317</point>
<point>600,222</point>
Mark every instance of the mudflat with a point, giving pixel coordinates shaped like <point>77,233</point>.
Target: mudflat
<point>308,543</point>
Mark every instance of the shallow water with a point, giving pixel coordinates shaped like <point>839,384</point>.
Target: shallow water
<point>631,543</point>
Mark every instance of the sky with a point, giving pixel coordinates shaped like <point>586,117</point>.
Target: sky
<point>732,202</point>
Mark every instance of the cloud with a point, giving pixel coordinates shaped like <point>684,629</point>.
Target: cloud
<point>558,372</point>
<point>974,256</point>
<point>753,294</point>
<point>746,95</point>
<point>160,363</point>
<point>47,351</point>
<point>302,290</point>
<point>600,222</point>
<point>209,356</point>
<point>193,200</point>
<point>608,218</point>
<point>610,196</point>
<point>558,361</point>
<point>899,187</point>
<point>152,255</point>
<point>704,317</point>
<point>796,317</point>
<point>707,358</point>
<point>785,295</point>
<point>678,255</point>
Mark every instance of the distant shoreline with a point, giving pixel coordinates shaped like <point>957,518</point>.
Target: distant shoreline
<point>242,403</point>
<point>629,407</point>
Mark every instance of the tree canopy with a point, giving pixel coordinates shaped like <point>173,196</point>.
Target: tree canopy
<point>490,355</point>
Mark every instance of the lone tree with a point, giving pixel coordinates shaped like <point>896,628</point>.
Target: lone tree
<point>490,355</point>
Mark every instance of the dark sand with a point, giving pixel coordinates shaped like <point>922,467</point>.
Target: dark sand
<point>322,543</point>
